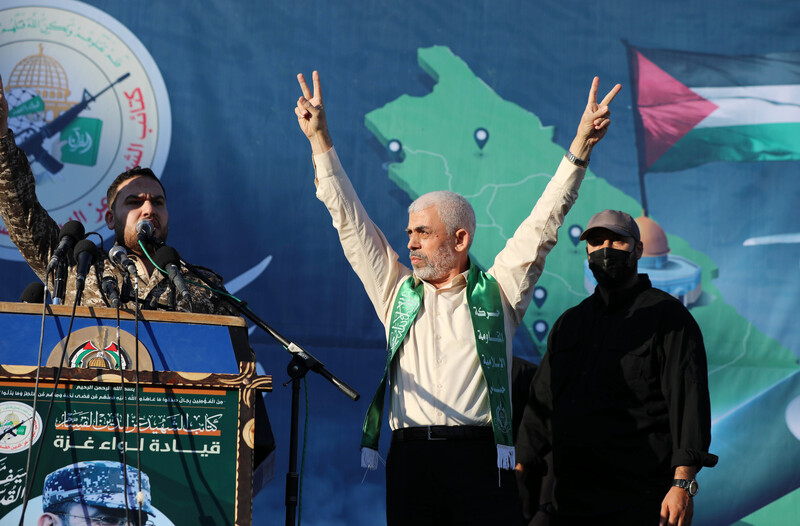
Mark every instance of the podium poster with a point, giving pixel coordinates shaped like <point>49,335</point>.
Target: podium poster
<point>184,440</point>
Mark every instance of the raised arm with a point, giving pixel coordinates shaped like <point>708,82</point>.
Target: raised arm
<point>311,115</point>
<point>364,245</point>
<point>518,266</point>
<point>29,226</point>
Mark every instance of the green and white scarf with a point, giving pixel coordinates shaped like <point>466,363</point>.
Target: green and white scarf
<point>486,310</point>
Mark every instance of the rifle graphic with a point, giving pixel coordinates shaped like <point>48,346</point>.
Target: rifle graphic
<point>30,140</point>
<point>10,429</point>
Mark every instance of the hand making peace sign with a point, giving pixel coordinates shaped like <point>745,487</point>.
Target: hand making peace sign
<point>311,115</point>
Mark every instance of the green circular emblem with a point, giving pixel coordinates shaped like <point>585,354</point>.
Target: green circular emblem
<point>86,102</point>
<point>19,427</point>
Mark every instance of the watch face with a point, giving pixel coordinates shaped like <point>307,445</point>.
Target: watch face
<point>693,487</point>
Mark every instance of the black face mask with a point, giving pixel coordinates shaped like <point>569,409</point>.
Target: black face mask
<point>611,267</point>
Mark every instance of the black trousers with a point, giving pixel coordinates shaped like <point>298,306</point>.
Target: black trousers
<point>639,514</point>
<point>449,482</point>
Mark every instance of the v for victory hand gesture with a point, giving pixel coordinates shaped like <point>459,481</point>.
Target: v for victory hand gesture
<point>311,115</point>
<point>594,121</point>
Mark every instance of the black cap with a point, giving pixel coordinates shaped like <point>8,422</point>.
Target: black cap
<point>615,220</point>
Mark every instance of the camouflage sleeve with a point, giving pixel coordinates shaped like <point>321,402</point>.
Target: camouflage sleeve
<point>210,302</point>
<point>29,225</point>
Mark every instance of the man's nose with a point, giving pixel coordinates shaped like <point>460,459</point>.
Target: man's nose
<point>413,242</point>
<point>147,208</point>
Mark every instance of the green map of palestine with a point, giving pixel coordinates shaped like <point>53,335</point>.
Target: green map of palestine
<point>504,179</point>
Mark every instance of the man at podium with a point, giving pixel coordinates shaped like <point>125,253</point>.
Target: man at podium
<point>134,196</point>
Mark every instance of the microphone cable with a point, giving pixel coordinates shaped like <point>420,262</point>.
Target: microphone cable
<point>46,422</point>
<point>230,297</point>
<point>124,419</point>
<point>124,429</point>
<point>29,483</point>
<point>205,285</point>
<point>136,312</point>
<point>26,488</point>
<point>226,295</point>
<point>139,494</point>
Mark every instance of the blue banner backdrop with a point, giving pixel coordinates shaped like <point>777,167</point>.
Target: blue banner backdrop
<point>422,96</point>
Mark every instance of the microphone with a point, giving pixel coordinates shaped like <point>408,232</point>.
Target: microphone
<point>85,253</point>
<point>118,255</point>
<point>70,233</point>
<point>146,233</point>
<point>168,258</point>
<point>33,293</point>
<point>109,287</point>
<point>60,282</point>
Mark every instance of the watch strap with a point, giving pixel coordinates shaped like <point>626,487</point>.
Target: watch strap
<point>576,160</point>
<point>690,486</point>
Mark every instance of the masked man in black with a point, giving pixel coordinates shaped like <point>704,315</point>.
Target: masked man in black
<point>621,397</point>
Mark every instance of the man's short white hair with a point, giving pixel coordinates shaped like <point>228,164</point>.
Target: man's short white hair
<point>454,210</point>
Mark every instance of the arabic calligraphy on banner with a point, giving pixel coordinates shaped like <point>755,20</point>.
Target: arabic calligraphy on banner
<point>180,435</point>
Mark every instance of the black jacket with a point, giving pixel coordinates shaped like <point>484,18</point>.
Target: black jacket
<point>621,397</point>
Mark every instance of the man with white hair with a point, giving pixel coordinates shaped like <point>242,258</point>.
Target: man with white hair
<point>449,329</point>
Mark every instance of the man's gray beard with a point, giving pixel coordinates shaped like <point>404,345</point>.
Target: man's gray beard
<point>438,266</point>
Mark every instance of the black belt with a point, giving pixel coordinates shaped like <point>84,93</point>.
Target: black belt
<point>407,434</point>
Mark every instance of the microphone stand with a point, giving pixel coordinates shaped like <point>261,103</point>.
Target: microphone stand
<point>302,362</point>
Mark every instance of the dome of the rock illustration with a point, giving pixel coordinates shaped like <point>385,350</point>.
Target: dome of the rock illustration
<point>653,237</point>
<point>47,77</point>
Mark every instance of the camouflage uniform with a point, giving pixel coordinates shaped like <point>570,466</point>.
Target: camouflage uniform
<point>35,233</point>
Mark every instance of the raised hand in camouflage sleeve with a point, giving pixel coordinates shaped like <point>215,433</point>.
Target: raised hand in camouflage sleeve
<point>134,195</point>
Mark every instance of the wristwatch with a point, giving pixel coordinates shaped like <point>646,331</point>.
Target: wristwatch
<point>576,160</point>
<point>690,486</point>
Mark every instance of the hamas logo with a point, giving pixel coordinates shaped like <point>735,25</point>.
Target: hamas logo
<point>87,356</point>
<point>99,350</point>
<point>18,427</point>
<point>86,102</point>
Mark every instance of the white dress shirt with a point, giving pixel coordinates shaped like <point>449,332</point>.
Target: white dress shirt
<point>436,378</point>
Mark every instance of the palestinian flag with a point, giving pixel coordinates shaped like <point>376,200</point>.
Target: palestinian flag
<point>696,108</point>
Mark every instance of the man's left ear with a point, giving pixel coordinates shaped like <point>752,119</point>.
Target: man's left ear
<point>462,240</point>
<point>110,219</point>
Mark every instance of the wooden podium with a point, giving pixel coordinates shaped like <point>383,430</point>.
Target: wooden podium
<point>193,433</point>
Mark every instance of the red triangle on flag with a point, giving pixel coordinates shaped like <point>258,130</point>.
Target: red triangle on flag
<point>668,109</point>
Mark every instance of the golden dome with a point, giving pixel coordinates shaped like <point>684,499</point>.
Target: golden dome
<point>97,360</point>
<point>653,237</point>
<point>45,75</point>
